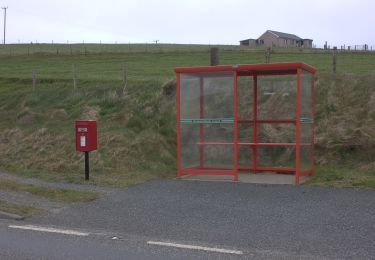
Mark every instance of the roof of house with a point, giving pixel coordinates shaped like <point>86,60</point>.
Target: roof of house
<point>250,39</point>
<point>285,35</point>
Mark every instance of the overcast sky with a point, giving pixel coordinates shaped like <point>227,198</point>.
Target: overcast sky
<point>188,21</point>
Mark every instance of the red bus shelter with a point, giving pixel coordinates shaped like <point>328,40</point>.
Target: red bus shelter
<point>251,117</point>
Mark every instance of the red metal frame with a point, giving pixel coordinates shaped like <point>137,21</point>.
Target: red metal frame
<point>201,127</point>
<point>298,127</point>
<point>313,104</point>
<point>252,144</point>
<point>178,116</point>
<point>235,130</point>
<point>253,70</point>
<point>255,121</point>
<point>258,69</point>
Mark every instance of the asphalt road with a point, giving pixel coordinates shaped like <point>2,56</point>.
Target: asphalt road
<point>22,244</point>
<point>262,221</point>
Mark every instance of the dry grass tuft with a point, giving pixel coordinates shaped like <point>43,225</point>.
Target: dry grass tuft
<point>59,114</point>
<point>90,113</point>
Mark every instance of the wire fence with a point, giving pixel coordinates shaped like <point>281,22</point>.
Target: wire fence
<point>363,47</point>
<point>80,71</point>
<point>358,47</point>
<point>89,49</point>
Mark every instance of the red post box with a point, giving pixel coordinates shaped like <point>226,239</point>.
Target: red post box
<point>86,140</point>
<point>86,136</point>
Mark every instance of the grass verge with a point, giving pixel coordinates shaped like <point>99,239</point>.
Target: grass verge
<point>343,176</point>
<point>21,210</point>
<point>64,195</point>
<point>136,125</point>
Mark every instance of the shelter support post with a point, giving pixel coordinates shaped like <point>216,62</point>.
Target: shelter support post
<point>255,119</point>
<point>298,127</point>
<point>178,97</point>
<point>201,126</point>
<point>312,134</point>
<point>235,130</point>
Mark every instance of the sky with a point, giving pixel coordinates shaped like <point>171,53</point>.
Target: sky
<point>338,22</point>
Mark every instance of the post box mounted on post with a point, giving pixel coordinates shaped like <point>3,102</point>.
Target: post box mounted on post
<point>86,140</point>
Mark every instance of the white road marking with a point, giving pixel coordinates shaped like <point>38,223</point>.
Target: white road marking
<point>50,230</point>
<point>210,249</point>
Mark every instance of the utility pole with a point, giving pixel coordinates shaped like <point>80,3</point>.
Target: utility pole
<point>5,19</point>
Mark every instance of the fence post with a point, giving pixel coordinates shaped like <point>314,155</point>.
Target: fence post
<point>214,56</point>
<point>125,77</point>
<point>34,80</point>
<point>334,59</point>
<point>267,55</point>
<point>74,76</point>
<point>71,52</point>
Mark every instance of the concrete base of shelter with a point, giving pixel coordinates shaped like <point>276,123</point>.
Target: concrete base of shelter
<point>260,177</point>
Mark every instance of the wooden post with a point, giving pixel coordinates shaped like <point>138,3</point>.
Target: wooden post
<point>334,59</point>
<point>74,76</point>
<point>214,56</point>
<point>267,54</point>
<point>34,80</point>
<point>125,77</point>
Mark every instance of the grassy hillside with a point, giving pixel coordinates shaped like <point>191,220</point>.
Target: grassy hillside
<point>137,128</point>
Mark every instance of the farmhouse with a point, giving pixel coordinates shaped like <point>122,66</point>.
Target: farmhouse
<point>278,39</point>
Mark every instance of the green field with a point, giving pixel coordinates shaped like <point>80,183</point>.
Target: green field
<point>137,128</point>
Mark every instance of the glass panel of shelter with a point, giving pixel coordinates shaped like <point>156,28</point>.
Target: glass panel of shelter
<point>207,120</point>
<point>266,131</point>
<point>307,120</point>
<point>271,121</point>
